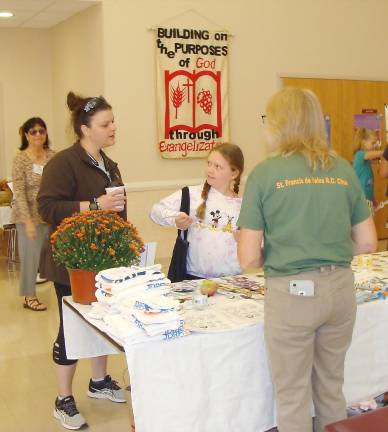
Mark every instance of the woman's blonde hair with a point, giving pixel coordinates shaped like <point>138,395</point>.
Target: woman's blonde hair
<point>296,125</point>
<point>235,158</point>
<point>360,136</point>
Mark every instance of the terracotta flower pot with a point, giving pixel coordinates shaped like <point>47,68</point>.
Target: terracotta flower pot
<point>82,284</point>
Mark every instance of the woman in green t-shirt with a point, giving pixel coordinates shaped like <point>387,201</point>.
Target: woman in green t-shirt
<point>307,204</point>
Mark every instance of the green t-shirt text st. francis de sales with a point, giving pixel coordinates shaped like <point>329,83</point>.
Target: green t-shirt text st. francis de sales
<point>306,215</point>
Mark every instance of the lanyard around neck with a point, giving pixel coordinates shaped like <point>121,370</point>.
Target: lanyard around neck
<point>100,165</point>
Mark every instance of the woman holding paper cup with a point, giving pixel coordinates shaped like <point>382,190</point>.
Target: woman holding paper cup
<point>116,191</point>
<point>78,179</point>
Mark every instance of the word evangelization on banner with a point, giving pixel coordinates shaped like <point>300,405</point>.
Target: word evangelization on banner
<point>192,91</point>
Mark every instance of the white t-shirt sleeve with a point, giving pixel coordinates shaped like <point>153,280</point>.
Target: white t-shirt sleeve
<point>165,211</point>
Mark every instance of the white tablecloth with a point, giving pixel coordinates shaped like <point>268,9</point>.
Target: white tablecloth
<point>221,382</point>
<point>5,215</point>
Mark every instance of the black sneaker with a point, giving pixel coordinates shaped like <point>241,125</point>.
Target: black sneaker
<point>106,389</point>
<point>66,412</point>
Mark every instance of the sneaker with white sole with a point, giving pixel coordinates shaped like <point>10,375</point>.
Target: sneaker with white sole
<point>66,412</point>
<point>40,280</point>
<point>106,389</point>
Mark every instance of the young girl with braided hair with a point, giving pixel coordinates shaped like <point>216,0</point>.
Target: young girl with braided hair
<point>364,149</point>
<point>214,210</point>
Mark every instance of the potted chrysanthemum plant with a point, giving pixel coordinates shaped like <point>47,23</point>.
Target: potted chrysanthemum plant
<point>91,241</point>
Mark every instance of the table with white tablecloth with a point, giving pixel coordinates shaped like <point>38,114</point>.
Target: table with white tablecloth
<point>220,382</point>
<point>5,215</point>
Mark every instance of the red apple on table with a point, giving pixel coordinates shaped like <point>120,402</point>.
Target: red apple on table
<point>209,287</point>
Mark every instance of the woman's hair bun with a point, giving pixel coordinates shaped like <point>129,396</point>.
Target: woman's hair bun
<point>73,101</point>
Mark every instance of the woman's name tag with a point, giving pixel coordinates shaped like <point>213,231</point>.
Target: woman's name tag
<point>37,169</point>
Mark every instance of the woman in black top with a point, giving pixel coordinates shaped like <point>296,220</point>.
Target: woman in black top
<point>75,181</point>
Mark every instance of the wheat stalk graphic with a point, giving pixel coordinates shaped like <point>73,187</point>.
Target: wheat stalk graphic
<point>177,97</point>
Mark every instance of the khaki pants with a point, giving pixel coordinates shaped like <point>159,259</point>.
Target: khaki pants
<point>307,339</point>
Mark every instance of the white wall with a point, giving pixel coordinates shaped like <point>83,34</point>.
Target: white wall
<point>25,78</point>
<point>3,162</point>
<point>303,37</point>
<point>38,68</point>
<point>111,51</point>
<point>326,38</point>
<point>77,65</point>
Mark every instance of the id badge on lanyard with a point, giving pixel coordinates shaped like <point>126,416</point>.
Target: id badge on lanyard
<point>37,169</point>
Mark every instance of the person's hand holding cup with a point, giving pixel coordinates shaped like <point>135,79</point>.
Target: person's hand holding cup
<point>114,199</point>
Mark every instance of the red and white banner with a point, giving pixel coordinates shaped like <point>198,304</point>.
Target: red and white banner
<point>192,91</point>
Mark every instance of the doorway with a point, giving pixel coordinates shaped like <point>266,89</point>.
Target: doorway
<point>340,100</point>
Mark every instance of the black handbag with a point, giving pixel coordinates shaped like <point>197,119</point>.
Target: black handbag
<point>177,269</point>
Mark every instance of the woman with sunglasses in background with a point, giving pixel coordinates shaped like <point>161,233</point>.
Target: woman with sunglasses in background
<point>31,230</point>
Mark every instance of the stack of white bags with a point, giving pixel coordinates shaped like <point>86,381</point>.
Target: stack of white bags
<point>135,296</point>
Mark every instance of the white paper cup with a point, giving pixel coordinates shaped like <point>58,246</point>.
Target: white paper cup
<point>116,188</point>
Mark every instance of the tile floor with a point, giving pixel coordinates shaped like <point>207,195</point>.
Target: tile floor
<point>28,384</point>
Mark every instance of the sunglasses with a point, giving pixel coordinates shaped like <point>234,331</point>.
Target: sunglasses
<point>34,132</point>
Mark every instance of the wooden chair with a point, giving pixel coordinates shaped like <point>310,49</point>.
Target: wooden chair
<point>10,230</point>
<point>373,421</point>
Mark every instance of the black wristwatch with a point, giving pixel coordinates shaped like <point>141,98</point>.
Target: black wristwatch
<point>94,205</point>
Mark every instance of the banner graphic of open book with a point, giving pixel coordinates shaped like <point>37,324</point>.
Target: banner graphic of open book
<point>193,101</point>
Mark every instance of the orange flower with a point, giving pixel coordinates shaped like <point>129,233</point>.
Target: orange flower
<point>78,237</point>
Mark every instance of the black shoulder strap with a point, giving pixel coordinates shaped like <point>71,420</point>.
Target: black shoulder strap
<point>185,207</point>
<point>185,200</point>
